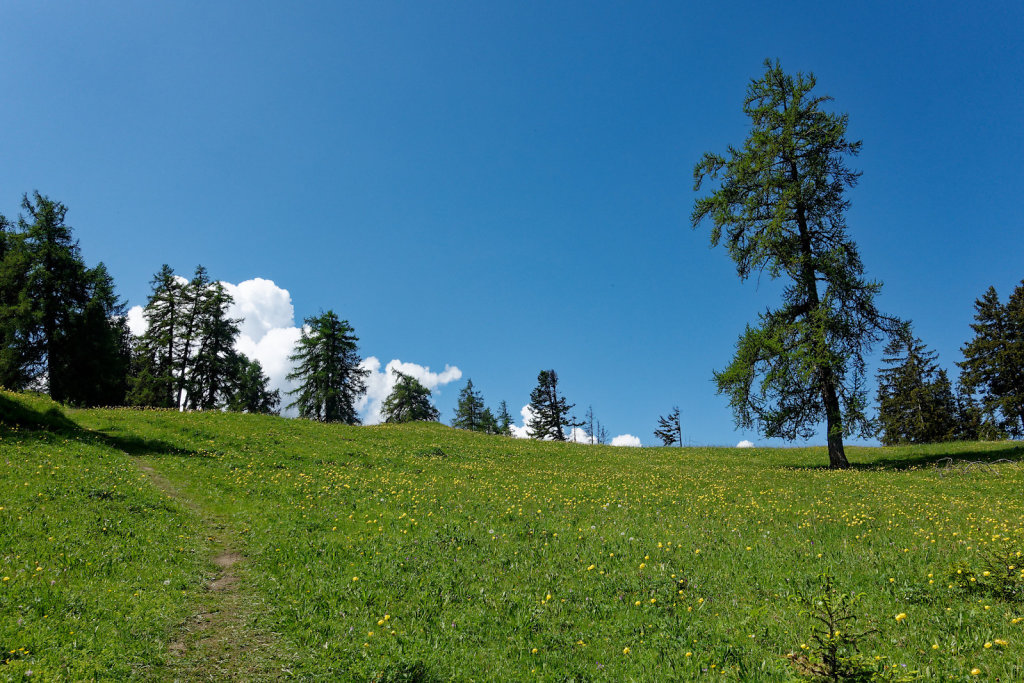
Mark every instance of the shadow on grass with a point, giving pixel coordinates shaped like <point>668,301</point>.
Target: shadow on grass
<point>1010,451</point>
<point>935,455</point>
<point>37,413</point>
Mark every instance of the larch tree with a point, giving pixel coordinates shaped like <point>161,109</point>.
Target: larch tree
<point>409,401</point>
<point>779,206</point>
<point>327,368</point>
<point>550,411</point>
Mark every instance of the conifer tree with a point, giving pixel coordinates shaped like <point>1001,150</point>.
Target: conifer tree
<point>504,420</point>
<point>15,309</point>
<point>550,411</point>
<point>327,368</point>
<point>216,361</point>
<point>409,401</point>
<point>993,365</point>
<point>154,357</point>
<point>250,389</point>
<point>915,398</point>
<point>98,353</point>
<point>780,208</point>
<point>55,286</point>
<point>670,428</point>
<point>469,412</point>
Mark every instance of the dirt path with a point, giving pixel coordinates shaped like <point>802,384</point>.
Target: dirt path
<point>217,643</point>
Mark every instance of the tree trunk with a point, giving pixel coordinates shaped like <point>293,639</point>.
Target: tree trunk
<point>834,423</point>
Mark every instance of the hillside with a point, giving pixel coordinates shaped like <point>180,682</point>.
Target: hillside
<point>155,545</point>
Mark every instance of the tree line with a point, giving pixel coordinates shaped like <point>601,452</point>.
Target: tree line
<point>777,204</point>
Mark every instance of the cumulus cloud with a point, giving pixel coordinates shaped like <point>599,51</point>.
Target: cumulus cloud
<point>267,333</point>
<point>626,440</point>
<point>745,444</point>
<point>262,307</point>
<point>136,321</point>
<point>521,431</point>
<point>380,382</point>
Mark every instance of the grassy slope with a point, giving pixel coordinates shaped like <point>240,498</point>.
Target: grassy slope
<point>470,552</point>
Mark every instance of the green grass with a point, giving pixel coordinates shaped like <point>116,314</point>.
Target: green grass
<point>446,555</point>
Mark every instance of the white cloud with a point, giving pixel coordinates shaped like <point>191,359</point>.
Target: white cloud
<point>745,444</point>
<point>379,383</point>
<point>522,432</point>
<point>136,321</point>
<point>267,333</point>
<point>262,306</point>
<point>626,440</point>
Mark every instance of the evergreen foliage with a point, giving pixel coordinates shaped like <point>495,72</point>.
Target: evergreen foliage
<point>61,324</point>
<point>250,392</point>
<point>550,411</point>
<point>779,207</point>
<point>154,357</point>
<point>469,412</point>
<point>993,365</point>
<point>670,428</point>
<point>503,421</point>
<point>409,401</point>
<point>915,398</point>
<point>327,369</point>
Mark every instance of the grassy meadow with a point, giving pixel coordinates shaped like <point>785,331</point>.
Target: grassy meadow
<point>422,553</point>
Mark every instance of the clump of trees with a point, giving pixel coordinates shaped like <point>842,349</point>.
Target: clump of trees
<point>61,324</point>
<point>472,414</point>
<point>992,371</point>
<point>186,358</point>
<point>915,398</point>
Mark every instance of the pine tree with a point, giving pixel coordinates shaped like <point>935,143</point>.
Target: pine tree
<point>469,412</point>
<point>327,367</point>
<point>779,207</point>
<point>670,429</point>
<point>993,365</point>
<point>192,305</point>
<point>550,411</point>
<point>504,420</point>
<point>409,401</point>
<point>915,398</point>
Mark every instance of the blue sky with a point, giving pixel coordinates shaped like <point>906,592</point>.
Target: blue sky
<point>506,187</point>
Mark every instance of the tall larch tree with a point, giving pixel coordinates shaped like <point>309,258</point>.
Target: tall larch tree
<point>327,368</point>
<point>779,205</point>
